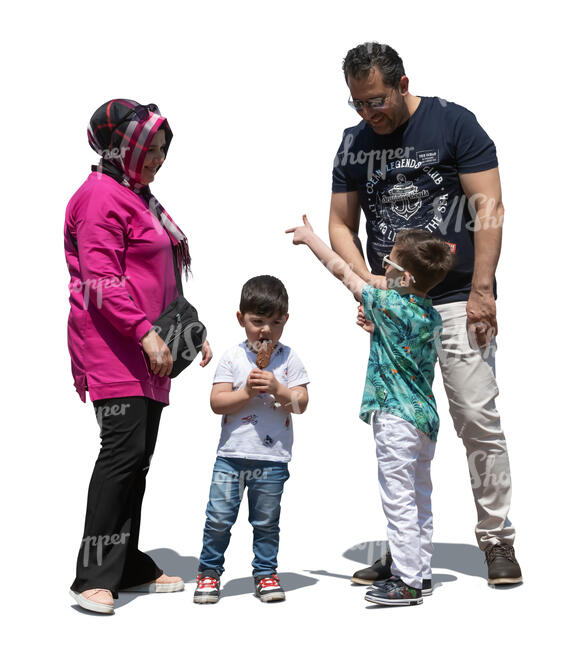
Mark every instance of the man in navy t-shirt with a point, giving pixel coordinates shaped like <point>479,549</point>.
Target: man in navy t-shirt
<point>423,162</point>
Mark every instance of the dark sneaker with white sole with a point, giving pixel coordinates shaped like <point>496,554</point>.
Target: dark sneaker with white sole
<point>426,586</point>
<point>502,566</point>
<point>394,592</point>
<point>208,587</point>
<point>268,589</point>
<point>378,571</point>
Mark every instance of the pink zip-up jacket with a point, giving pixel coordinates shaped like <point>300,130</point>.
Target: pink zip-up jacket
<point>122,278</point>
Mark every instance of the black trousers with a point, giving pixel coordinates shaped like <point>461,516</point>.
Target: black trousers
<point>109,556</point>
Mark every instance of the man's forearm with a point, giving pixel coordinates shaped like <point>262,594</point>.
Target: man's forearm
<point>347,244</point>
<point>483,190</point>
<point>488,234</point>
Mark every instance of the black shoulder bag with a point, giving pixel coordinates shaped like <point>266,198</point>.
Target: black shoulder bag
<point>180,328</point>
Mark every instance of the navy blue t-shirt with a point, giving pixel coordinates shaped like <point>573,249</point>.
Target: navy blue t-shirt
<point>409,179</point>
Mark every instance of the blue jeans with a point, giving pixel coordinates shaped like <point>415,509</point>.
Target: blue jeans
<point>264,482</point>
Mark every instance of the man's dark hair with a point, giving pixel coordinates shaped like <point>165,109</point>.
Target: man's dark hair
<point>359,61</point>
<point>264,295</point>
<point>427,257</point>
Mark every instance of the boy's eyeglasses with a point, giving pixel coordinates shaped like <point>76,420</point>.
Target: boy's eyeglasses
<point>375,103</point>
<point>141,111</point>
<point>388,262</point>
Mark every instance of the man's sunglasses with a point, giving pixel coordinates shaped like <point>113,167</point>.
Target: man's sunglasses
<point>375,104</point>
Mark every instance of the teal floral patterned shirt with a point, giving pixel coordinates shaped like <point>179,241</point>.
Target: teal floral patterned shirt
<point>402,357</point>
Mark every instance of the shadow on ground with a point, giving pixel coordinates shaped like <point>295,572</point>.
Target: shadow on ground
<point>187,566</point>
<point>463,558</point>
<point>173,564</point>
<point>288,581</point>
<point>437,578</point>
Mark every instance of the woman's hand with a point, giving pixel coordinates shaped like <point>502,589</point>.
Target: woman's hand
<point>158,353</point>
<point>301,232</point>
<point>206,354</point>
<point>367,325</point>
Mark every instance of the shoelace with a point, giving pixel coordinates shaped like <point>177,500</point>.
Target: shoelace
<point>268,582</point>
<point>504,550</point>
<point>207,582</point>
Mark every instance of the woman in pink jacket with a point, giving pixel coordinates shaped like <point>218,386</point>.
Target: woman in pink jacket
<point>120,246</point>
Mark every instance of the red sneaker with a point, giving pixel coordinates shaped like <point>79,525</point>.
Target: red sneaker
<point>268,589</point>
<point>208,588</point>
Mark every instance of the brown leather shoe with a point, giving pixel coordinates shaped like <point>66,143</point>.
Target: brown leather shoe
<point>502,566</point>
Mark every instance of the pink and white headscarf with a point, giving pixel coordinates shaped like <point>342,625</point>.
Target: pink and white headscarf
<point>121,131</point>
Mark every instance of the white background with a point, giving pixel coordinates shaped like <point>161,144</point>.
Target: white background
<point>257,101</point>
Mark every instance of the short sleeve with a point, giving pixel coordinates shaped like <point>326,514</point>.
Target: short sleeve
<point>341,180</point>
<point>296,373</point>
<point>224,371</point>
<point>474,149</point>
<point>381,304</point>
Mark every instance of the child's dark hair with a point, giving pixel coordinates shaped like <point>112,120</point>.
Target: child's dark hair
<point>427,257</point>
<point>264,295</point>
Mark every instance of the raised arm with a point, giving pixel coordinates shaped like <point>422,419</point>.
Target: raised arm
<point>333,262</point>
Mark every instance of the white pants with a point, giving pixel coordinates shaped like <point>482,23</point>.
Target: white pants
<point>469,380</point>
<point>403,458</point>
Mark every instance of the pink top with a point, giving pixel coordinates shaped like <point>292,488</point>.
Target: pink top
<point>122,278</point>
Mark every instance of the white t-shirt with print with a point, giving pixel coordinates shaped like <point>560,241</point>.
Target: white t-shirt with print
<point>262,430</point>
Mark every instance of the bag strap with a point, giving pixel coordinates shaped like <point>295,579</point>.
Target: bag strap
<point>176,270</point>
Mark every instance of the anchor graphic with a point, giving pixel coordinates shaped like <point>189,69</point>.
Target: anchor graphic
<point>403,198</point>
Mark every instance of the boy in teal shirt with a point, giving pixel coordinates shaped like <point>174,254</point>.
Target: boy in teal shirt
<point>398,395</point>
